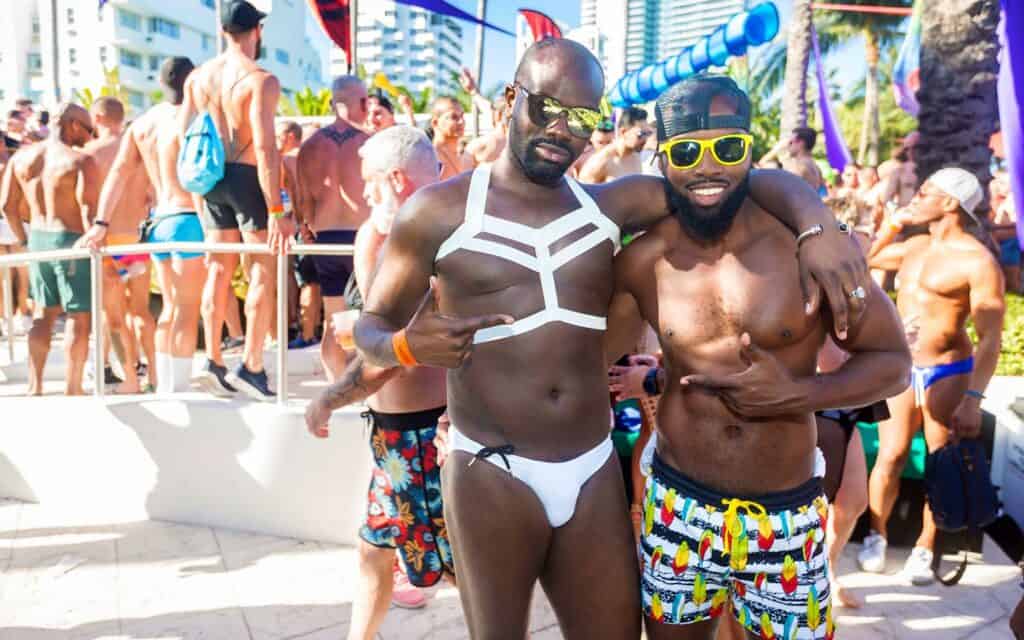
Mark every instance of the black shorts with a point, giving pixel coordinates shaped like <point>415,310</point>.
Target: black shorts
<point>236,202</point>
<point>334,271</point>
<point>306,271</point>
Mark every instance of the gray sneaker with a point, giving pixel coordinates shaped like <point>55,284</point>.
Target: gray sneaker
<point>918,568</point>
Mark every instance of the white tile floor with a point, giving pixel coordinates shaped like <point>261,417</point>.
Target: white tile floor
<point>66,577</point>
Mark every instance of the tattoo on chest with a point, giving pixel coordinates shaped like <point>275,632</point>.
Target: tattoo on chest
<point>339,137</point>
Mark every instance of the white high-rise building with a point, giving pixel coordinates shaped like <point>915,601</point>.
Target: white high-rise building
<point>413,47</point>
<point>634,33</point>
<point>134,36</point>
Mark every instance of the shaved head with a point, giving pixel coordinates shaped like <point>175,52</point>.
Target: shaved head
<point>109,108</point>
<point>553,57</point>
<point>74,125</point>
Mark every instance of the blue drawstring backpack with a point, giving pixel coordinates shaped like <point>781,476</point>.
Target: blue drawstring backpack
<point>201,159</point>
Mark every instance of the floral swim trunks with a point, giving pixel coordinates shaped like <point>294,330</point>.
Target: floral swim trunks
<point>766,556</point>
<point>404,508</point>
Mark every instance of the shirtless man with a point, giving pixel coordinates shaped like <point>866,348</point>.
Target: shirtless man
<point>380,112</point>
<point>330,202</point>
<point>622,156</point>
<point>899,174</point>
<point>530,382</point>
<point>485,149</point>
<point>795,156</point>
<point>289,139</point>
<point>736,429</point>
<point>150,149</point>
<point>946,277</point>
<point>604,135</point>
<point>449,124</point>
<point>125,285</point>
<point>246,204</point>
<point>405,413</point>
<point>1003,227</point>
<point>58,185</point>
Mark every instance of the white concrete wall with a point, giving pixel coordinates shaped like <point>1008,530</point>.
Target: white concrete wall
<point>194,459</point>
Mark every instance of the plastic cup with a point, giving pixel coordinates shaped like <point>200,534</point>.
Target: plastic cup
<point>344,322</point>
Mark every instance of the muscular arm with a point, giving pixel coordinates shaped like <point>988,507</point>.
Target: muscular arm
<point>87,190</point>
<point>358,382</point>
<point>262,107</point>
<point>593,170</point>
<point>12,203</point>
<point>303,199</point>
<point>987,310</point>
<point>879,362</point>
<point>127,162</point>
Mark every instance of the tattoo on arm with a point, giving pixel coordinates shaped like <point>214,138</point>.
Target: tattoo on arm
<point>349,388</point>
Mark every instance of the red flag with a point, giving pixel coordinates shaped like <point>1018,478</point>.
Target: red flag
<point>540,25</point>
<point>335,20</point>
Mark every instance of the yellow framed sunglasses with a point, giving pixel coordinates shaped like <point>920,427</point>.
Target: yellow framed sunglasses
<point>728,150</point>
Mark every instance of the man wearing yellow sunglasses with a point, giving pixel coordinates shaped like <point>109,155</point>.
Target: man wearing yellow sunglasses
<point>504,275</point>
<point>734,512</point>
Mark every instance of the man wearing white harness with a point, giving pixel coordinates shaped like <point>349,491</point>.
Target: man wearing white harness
<point>527,387</point>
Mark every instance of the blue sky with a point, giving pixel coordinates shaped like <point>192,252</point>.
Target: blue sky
<point>499,49</point>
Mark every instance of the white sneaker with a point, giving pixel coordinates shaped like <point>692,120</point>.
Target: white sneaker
<point>918,568</point>
<point>872,554</point>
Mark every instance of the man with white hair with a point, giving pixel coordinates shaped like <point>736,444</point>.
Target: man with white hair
<point>945,277</point>
<point>328,200</point>
<point>404,505</point>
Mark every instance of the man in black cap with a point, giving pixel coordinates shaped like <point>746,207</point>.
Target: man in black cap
<point>241,97</point>
<point>734,511</point>
<point>150,148</point>
<point>523,262</point>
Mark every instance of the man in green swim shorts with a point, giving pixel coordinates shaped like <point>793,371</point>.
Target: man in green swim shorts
<point>56,186</point>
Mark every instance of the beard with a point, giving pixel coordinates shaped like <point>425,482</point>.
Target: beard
<point>383,213</point>
<point>705,225</point>
<point>537,169</point>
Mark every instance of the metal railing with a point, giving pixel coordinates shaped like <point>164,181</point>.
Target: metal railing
<point>96,269</point>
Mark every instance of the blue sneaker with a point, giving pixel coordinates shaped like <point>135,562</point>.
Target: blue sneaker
<point>254,385</point>
<point>302,343</point>
<point>213,379</point>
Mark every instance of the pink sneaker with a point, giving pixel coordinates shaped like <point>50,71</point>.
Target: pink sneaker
<point>405,594</point>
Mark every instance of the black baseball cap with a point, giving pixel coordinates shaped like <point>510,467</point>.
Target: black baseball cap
<point>239,16</point>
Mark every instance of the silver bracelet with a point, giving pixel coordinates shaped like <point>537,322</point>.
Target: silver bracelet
<point>815,230</point>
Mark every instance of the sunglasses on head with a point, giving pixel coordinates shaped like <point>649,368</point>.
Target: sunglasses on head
<point>728,150</point>
<point>544,110</point>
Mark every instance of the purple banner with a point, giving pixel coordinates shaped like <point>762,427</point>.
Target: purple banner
<point>447,9</point>
<point>835,147</point>
<point>1011,92</point>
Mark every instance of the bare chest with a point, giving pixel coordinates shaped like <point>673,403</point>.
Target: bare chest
<point>699,304</point>
<point>932,273</point>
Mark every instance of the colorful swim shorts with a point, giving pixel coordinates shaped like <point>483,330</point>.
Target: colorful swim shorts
<point>701,550</point>
<point>404,508</point>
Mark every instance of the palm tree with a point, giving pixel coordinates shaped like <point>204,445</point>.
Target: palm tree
<point>307,103</point>
<point>798,52</point>
<point>880,31</point>
<point>959,66</point>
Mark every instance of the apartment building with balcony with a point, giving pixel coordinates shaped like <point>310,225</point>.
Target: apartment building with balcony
<point>134,36</point>
<point>415,48</point>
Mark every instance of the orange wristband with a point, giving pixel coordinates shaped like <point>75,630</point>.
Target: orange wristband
<point>402,351</point>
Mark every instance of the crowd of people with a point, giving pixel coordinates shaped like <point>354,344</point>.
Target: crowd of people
<point>638,258</point>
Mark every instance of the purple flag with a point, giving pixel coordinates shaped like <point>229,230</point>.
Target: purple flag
<point>447,9</point>
<point>1011,92</point>
<point>906,74</point>
<point>835,147</point>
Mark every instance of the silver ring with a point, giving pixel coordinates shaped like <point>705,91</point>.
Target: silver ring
<point>859,293</point>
